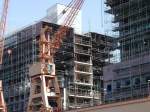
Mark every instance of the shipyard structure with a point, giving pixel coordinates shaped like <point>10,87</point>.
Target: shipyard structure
<point>129,79</point>
<point>79,64</point>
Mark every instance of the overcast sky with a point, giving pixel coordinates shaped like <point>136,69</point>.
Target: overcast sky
<point>24,12</point>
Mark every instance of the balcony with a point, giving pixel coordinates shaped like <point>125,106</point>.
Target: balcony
<point>82,42</point>
<point>81,93</point>
<point>83,68</point>
<point>83,82</point>
<point>81,51</point>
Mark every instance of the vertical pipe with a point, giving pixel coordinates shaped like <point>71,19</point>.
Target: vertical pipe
<point>65,98</point>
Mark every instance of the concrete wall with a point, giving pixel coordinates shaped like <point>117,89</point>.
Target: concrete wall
<point>141,105</point>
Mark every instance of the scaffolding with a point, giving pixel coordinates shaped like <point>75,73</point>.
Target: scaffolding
<point>131,73</point>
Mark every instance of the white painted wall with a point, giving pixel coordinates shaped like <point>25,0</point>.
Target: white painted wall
<point>53,17</point>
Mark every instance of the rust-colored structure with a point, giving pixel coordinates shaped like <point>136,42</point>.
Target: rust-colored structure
<point>44,92</point>
<point>2,102</point>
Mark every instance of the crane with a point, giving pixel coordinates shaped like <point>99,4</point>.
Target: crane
<point>2,32</point>
<point>3,27</point>
<point>44,92</point>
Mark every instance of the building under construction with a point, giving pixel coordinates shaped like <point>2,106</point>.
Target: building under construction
<point>129,78</point>
<point>79,64</point>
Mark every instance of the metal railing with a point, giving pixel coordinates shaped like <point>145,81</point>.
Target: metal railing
<point>80,92</point>
<point>83,51</point>
<point>80,41</point>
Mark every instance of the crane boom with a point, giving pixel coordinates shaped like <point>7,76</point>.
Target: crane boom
<point>58,37</point>
<point>2,33</point>
<point>3,27</point>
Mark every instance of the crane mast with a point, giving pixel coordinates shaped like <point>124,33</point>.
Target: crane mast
<point>2,32</point>
<point>45,93</point>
